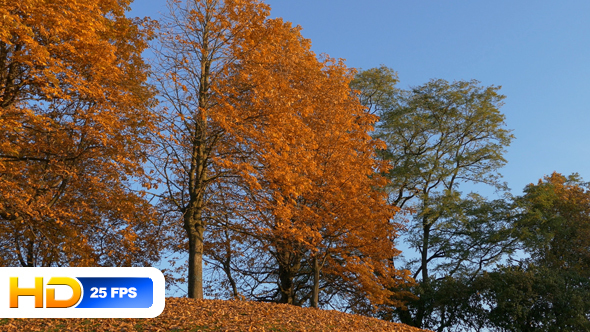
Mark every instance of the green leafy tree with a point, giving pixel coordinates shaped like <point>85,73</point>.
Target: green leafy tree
<point>548,290</point>
<point>440,135</point>
<point>556,223</point>
<point>470,236</point>
<point>527,297</point>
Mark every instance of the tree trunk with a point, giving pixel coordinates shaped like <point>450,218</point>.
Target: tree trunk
<point>195,232</point>
<point>232,282</point>
<point>289,264</point>
<point>198,176</point>
<point>421,310</point>
<point>285,283</point>
<point>227,268</point>
<point>315,295</point>
<point>425,244</point>
<point>30,253</point>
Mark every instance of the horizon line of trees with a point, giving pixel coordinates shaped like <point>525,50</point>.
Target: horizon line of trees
<point>292,177</point>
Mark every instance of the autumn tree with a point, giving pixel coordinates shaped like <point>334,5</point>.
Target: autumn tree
<point>74,125</point>
<point>325,220</point>
<point>440,135</point>
<point>208,59</point>
<point>194,58</point>
<point>265,150</point>
<point>319,222</point>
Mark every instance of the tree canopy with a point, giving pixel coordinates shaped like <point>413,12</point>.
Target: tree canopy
<point>548,289</point>
<point>74,125</point>
<point>440,135</point>
<point>264,146</point>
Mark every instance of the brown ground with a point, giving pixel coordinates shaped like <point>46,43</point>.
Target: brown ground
<point>183,314</point>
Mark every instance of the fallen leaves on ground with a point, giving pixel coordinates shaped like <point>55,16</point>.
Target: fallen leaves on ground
<point>182,314</point>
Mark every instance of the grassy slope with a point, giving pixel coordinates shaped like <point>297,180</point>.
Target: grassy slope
<point>183,314</point>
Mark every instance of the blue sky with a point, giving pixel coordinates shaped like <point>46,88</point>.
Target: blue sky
<point>538,51</point>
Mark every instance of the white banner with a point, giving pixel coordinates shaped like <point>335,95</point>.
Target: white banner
<point>81,292</point>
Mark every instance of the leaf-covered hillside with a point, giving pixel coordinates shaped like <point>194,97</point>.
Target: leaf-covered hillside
<point>182,314</point>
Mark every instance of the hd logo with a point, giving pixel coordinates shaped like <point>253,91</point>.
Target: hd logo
<point>37,292</point>
<point>87,292</point>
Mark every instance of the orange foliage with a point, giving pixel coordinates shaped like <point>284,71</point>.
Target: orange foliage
<point>74,122</point>
<point>183,314</point>
<point>198,45</point>
<point>264,141</point>
<point>314,190</point>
